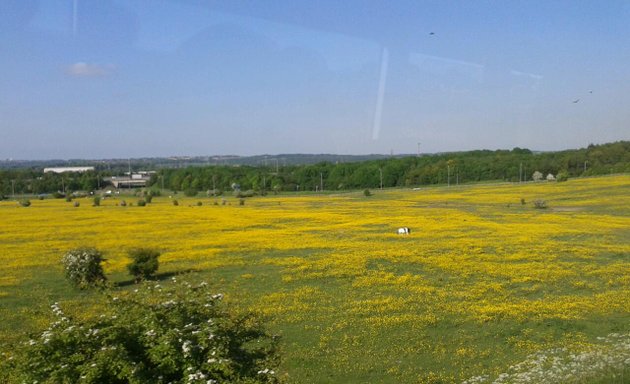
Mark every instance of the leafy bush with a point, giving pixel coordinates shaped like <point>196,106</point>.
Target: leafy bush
<point>241,201</point>
<point>97,201</point>
<point>144,263</point>
<point>367,193</point>
<point>83,268</point>
<point>141,203</point>
<point>190,192</point>
<point>76,204</point>
<point>25,203</point>
<point>123,203</point>
<point>540,204</point>
<point>58,195</point>
<point>523,201</point>
<point>181,333</point>
<point>199,203</point>
<point>41,197</point>
<point>562,176</point>
<point>68,199</point>
<point>175,202</point>
<point>248,193</point>
<point>148,199</point>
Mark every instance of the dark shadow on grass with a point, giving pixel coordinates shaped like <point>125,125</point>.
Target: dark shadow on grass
<point>158,277</point>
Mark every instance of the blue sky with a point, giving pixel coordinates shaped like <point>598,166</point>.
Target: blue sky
<point>117,79</point>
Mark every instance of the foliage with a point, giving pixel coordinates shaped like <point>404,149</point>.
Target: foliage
<point>25,203</point>
<point>470,166</point>
<point>76,204</point>
<point>367,193</point>
<point>148,199</point>
<point>83,268</point>
<point>58,195</point>
<point>144,263</point>
<point>123,203</point>
<point>97,201</point>
<point>175,202</point>
<point>537,176</point>
<point>68,199</point>
<point>562,176</point>
<point>199,203</point>
<point>141,203</point>
<point>190,192</point>
<point>181,333</point>
<point>523,202</point>
<point>242,194</point>
<point>241,201</point>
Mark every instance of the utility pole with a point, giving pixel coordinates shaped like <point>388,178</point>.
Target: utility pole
<point>448,175</point>
<point>276,165</point>
<point>13,189</point>
<point>418,149</point>
<point>214,186</point>
<point>585,161</point>
<point>520,173</point>
<point>321,181</point>
<point>380,170</point>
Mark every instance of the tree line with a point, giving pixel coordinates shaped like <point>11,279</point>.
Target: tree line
<point>513,165</point>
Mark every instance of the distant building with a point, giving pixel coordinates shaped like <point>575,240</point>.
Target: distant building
<point>135,180</point>
<point>68,169</point>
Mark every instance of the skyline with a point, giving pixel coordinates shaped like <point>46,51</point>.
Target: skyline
<point>116,79</point>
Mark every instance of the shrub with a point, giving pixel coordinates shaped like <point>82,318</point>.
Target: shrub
<point>223,202</point>
<point>141,203</point>
<point>523,201</point>
<point>562,176</point>
<point>2,197</point>
<point>25,203</point>
<point>144,263</point>
<point>76,204</point>
<point>199,203</point>
<point>367,193</point>
<point>155,192</point>
<point>540,204</point>
<point>148,199</point>
<point>58,195</point>
<point>181,333</point>
<point>190,192</point>
<point>83,268</point>
<point>248,193</point>
<point>68,199</point>
<point>97,201</point>
<point>241,202</point>
<point>123,203</point>
<point>175,202</point>
<point>40,197</point>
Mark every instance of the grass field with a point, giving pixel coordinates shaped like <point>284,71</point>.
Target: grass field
<point>481,283</point>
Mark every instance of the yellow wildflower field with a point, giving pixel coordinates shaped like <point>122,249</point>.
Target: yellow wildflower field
<point>483,280</point>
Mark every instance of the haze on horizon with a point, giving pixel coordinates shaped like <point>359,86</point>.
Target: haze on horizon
<point>141,78</point>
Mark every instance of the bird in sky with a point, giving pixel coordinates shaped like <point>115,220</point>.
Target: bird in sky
<point>431,33</point>
<point>576,101</point>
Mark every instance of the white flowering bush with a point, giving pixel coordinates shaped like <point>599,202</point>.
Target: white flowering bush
<point>83,268</point>
<point>177,334</point>
<point>602,362</point>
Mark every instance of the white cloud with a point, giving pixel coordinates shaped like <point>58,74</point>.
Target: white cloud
<point>81,69</point>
